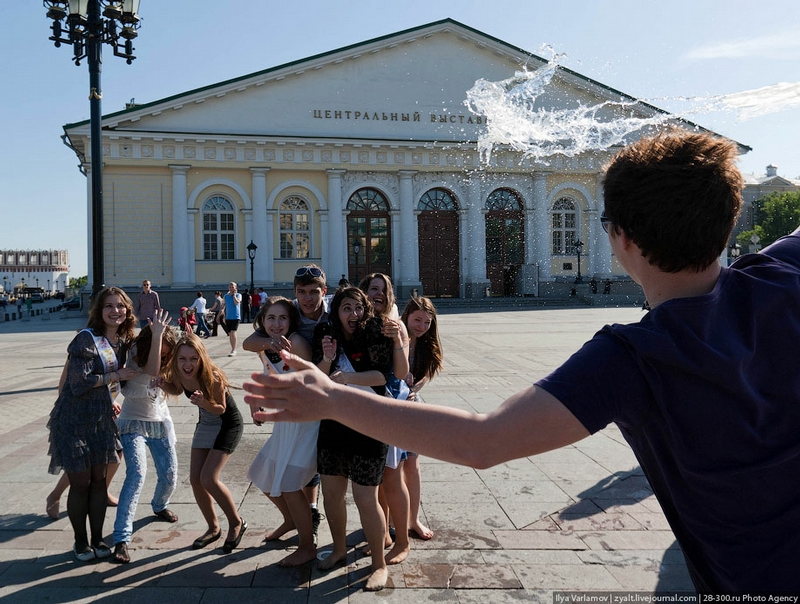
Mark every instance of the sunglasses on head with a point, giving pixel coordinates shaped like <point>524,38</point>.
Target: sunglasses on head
<point>605,221</point>
<point>305,270</point>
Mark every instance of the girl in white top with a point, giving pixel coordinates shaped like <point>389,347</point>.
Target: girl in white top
<point>145,422</point>
<point>288,460</point>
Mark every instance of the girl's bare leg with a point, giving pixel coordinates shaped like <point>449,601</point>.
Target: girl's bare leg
<point>397,497</point>
<point>411,474</point>
<point>201,495</point>
<point>287,524</point>
<point>334,489</point>
<point>209,478</point>
<point>373,523</point>
<point>297,503</point>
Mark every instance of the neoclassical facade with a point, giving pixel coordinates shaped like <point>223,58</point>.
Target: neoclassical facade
<point>362,159</point>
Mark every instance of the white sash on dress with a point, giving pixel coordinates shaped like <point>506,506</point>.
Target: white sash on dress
<point>109,359</point>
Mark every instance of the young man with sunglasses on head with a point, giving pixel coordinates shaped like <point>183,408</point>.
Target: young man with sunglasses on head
<point>704,388</point>
<point>310,288</point>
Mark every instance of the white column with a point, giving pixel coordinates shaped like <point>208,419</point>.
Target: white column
<point>190,226</point>
<point>476,280</point>
<point>396,238</point>
<point>593,241</point>
<point>541,226</point>
<point>324,242</point>
<point>181,261</point>
<point>261,235</point>
<point>603,266</point>
<point>267,259</point>
<point>334,260</point>
<point>408,269</point>
<point>247,213</point>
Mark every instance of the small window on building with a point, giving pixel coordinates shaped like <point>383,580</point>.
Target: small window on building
<point>219,233</point>
<point>295,228</point>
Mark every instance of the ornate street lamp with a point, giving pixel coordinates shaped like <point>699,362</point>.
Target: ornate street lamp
<point>578,248</point>
<point>251,253</point>
<point>86,31</point>
<point>356,250</point>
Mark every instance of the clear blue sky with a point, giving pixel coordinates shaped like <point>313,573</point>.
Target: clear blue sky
<point>653,50</point>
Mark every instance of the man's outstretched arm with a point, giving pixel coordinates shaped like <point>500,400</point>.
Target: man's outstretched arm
<point>529,422</point>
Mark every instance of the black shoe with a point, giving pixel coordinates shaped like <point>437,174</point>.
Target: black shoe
<point>316,518</point>
<point>201,542</point>
<point>229,546</point>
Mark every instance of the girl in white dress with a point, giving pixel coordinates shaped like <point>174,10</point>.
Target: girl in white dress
<point>288,460</point>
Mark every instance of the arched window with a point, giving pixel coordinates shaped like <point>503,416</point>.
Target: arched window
<point>565,226</point>
<point>367,200</point>
<point>503,199</point>
<point>219,234</point>
<point>295,232</point>
<point>437,199</point>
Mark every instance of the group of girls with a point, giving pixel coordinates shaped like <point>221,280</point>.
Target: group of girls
<point>364,344</point>
<point>86,435</point>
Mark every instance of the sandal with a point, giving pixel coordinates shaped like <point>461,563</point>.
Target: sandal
<point>121,555</point>
<point>167,515</point>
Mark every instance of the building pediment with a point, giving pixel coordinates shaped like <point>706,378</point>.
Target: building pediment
<point>410,86</point>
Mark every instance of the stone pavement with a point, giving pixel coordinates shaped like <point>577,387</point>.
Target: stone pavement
<point>580,519</point>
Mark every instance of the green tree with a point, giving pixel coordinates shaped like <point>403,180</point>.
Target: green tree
<point>79,282</point>
<point>777,214</point>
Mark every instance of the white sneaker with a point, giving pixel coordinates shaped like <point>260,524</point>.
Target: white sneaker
<point>232,353</point>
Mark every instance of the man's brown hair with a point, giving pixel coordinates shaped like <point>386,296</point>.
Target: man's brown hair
<point>677,195</point>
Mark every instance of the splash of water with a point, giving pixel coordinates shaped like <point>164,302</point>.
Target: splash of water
<point>518,115</point>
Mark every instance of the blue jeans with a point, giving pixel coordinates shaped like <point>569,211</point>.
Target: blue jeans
<point>201,325</point>
<point>166,464</point>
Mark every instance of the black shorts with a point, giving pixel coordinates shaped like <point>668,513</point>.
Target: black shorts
<point>231,325</point>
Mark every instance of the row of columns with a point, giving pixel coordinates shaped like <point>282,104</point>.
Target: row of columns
<point>259,224</point>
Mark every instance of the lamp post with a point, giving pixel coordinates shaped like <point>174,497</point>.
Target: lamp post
<point>578,248</point>
<point>251,253</point>
<point>87,30</point>
<point>356,250</point>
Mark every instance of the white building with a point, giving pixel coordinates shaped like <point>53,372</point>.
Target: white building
<point>45,269</point>
<point>361,159</point>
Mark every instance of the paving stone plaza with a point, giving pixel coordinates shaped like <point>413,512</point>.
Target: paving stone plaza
<point>579,519</point>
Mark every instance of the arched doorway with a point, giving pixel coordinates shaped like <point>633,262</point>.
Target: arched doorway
<point>368,244</point>
<point>437,227</point>
<point>505,241</point>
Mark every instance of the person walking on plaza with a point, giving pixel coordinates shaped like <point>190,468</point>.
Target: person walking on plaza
<point>147,303</point>
<point>246,306</point>
<point>701,388</point>
<point>232,307</point>
<point>217,433</point>
<point>216,308</point>
<point>83,434</point>
<point>199,307</point>
<point>145,422</point>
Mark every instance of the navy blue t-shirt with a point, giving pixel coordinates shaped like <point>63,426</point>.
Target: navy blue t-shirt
<point>706,390</point>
